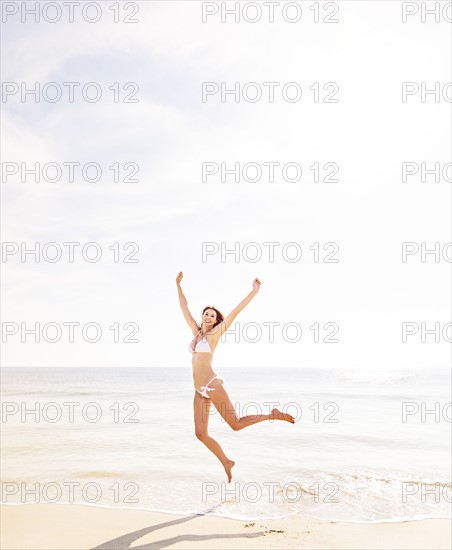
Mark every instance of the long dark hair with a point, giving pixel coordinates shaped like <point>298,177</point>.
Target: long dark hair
<point>220,316</point>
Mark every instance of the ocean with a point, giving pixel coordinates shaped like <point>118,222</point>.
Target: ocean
<point>366,446</point>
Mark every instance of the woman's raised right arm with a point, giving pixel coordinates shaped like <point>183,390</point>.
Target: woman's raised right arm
<point>183,304</point>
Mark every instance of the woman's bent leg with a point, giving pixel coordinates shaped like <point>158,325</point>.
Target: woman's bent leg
<point>225,407</point>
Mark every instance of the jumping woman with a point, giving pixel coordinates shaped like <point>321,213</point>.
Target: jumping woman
<point>209,387</point>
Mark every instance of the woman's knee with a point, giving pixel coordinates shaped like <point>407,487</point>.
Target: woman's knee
<point>236,425</point>
<point>202,435</point>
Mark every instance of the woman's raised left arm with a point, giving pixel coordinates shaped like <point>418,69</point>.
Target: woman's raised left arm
<point>230,318</point>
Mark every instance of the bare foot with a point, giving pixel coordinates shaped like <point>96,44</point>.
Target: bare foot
<point>278,415</point>
<point>228,467</point>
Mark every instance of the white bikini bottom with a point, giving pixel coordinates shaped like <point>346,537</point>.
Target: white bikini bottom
<point>205,389</point>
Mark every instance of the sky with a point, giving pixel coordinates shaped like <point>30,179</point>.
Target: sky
<point>364,299</point>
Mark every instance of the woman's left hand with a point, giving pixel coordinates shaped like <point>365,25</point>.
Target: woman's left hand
<point>256,285</point>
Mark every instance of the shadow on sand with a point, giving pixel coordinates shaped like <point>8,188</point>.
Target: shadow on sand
<point>124,542</point>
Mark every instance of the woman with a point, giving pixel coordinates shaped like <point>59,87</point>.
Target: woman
<point>209,387</point>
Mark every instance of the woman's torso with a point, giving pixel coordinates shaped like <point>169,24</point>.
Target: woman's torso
<point>202,359</point>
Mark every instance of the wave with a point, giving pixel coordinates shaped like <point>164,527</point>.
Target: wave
<point>372,377</point>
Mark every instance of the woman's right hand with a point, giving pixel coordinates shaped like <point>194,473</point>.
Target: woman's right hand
<point>179,277</point>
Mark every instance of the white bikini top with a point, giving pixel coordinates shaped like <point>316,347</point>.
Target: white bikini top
<point>201,347</point>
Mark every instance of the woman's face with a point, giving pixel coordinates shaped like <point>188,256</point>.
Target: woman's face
<point>209,317</point>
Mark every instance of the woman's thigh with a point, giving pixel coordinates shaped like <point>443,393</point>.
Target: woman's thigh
<point>223,403</point>
<point>201,410</point>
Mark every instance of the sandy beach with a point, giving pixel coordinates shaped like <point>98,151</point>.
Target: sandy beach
<point>80,527</point>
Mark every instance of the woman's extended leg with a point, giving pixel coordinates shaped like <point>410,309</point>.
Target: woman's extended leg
<point>223,404</point>
<point>201,408</point>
